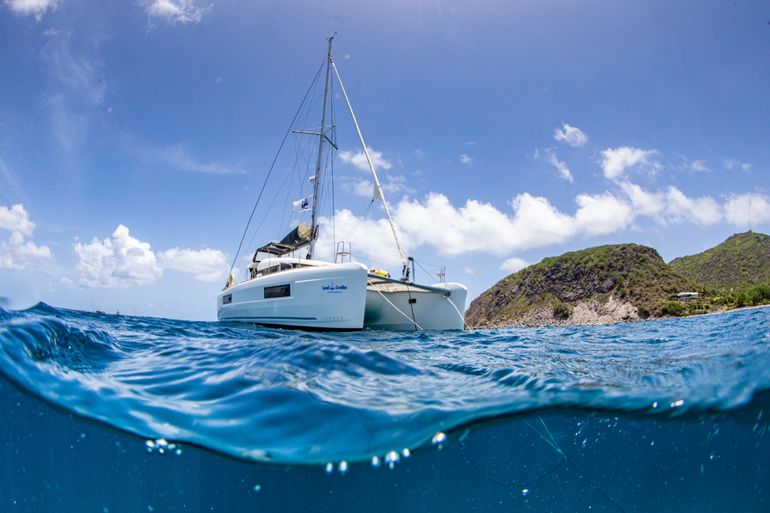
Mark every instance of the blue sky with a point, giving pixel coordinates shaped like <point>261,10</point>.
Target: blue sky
<point>134,135</point>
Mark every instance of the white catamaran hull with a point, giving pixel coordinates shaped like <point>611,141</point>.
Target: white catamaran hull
<point>330,297</point>
<point>401,307</point>
<point>292,290</point>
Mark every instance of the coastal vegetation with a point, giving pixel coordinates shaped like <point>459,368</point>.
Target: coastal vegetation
<point>628,282</point>
<point>742,261</point>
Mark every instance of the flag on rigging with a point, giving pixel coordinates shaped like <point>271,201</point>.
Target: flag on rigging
<point>304,204</point>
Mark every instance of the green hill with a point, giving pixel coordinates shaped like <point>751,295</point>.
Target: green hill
<point>612,283</point>
<point>740,262</point>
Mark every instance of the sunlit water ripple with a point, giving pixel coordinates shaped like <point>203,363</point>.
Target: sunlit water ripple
<point>300,398</point>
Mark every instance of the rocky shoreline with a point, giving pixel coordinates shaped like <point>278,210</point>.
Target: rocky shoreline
<point>591,313</point>
<point>584,313</point>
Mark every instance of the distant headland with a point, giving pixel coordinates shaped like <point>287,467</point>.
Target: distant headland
<point>627,283</point>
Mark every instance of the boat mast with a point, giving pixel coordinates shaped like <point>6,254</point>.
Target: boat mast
<point>321,140</point>
<point>377,188</point>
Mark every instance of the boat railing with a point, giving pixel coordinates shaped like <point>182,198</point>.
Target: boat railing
<point>438,290</point>
<point>344,252</point>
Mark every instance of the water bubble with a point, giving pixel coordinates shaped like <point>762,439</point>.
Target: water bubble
<point>343,467</point>
<point>392,458</point>
<point>405,452</point>
<point>524,491</point>
<point>257,488</point>
<point>439,439</point>
<point>376,461</point>
<point>161,450</point>
<point>150,444</point>
<point>677,403</point>
<point>655,404</point>
<point>178,452</point>
<point>161,442</point>
<point>329,468</point>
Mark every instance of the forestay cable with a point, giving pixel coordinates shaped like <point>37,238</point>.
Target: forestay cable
<point>270,170</point>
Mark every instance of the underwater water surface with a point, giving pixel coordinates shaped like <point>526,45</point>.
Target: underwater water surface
<point>110,413</point>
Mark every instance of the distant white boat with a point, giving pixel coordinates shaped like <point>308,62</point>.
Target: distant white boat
<point>287,287</point>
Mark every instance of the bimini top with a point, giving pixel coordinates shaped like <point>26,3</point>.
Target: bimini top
<point>295,239</point>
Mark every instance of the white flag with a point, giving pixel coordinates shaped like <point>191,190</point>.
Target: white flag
<point>311,179</point>
<point>304,204</point>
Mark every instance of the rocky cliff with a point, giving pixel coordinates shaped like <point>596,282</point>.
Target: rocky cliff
<point>613,283</point>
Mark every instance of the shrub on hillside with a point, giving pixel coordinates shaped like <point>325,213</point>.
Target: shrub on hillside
<point>561,311</point>
<point>672,308</point>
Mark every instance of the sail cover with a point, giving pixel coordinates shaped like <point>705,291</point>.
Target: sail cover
<point>295,239</point>
<point>298,236</point>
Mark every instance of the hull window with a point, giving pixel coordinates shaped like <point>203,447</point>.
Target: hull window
<point>277,291</point>
<point>227,299</point>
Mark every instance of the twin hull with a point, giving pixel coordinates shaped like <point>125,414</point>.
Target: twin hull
<point>336,297</point>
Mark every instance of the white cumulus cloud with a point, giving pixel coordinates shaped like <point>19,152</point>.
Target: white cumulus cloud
<point>680,208</point>
<point>571,135</point>
<point>616,161</point>
<point>16,219</point>
<point>602,214</point>
<point>174,11</point>
<point>18,252</point>
<point>122,260</point>
<point>371,239</point>
<point>358,159</point>
<point>513,265</point>
<point>650,204</point>
<point>748,210</point>
<point>390,184</point>
<point>117,261</point>
<point>533,222</point>
<point>204,264</point>
<point>37,8</point>
<point>672,206</point>
<point>465,158</point>
<point>480,227</point>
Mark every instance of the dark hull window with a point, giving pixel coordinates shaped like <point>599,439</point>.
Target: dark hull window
<point>277,291</point>
<point>227,299</point>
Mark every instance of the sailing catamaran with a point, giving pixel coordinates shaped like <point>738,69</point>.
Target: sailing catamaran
<point>288,287</point>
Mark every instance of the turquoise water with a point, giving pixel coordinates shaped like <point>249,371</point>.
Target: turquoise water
<point>111,413</point>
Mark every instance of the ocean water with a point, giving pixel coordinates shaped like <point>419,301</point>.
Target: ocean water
<point>108,414</point>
